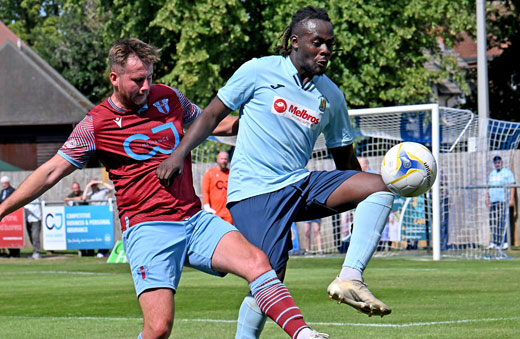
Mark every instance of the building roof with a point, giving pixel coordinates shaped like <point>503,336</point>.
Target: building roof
<point>33,93</point>
<point>7,35</point>
<point>467,49</point>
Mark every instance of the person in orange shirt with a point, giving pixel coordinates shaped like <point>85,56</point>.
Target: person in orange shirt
<point>214,188</point>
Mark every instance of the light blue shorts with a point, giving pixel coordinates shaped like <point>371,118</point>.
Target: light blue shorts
<point>157,251</point>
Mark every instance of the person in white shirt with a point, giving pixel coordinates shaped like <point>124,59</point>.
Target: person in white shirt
<point>33,222</point>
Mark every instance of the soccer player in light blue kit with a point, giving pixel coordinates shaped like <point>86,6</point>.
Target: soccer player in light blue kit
<point>285,102</point>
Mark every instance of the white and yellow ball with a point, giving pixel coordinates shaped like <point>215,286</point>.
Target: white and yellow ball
<point>409,169</point>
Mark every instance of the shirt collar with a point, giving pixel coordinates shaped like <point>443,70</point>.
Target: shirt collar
<point>124,111</point>
<point>293,72</point>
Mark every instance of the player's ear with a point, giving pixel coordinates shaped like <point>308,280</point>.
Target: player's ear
<point>114,78</point>
<point>294,41</point>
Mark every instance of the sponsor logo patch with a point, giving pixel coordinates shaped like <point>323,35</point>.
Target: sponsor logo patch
<point>294,111</point>
<point>118,121</point>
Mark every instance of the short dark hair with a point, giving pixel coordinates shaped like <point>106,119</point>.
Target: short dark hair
<point>123,49</point>
<point>305,13</point>
<point>497,158</point>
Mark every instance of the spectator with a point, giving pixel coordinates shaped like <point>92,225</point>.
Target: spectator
<point>497,199</point>
<point>394,232</point>
<point>7,190</point>
<point>365,165</point>
<point>315,225</point>
<point>418,216</point>
<point>97,194</point>
<point>76,196</point>
<point>214,188</point>
<point>33,222</point>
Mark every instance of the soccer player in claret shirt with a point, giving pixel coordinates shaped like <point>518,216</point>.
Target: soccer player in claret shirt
<point>285,102</point>
<point>132,132</point>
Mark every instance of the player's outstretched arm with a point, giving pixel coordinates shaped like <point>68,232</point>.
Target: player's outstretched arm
<point>203,126</point>
<point>37,183</point>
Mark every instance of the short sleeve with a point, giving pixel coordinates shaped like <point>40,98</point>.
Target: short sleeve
<point>240,87</point>
<point>189,109</point>
<point>81,145</point>
<point>338,132</point>
<point>511,177</point>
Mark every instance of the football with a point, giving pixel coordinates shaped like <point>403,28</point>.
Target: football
<point>409,169</point>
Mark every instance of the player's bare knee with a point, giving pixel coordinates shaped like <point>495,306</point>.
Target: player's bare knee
<point>159,327</point>
<point>258,263</point>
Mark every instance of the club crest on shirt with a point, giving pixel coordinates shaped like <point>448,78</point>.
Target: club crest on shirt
<point>323,104</point>
<point>162,106</point>
<point>296,112</point>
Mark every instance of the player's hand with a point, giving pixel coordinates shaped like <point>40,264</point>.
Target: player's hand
<point>169,169</point>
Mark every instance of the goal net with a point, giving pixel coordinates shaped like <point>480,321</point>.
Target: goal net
<point>452,219</point>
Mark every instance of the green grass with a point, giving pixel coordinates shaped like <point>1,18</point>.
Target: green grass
<point>72,297</point>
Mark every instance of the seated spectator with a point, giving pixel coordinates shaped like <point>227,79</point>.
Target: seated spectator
<point>97,194</point>
<point>76,196</point>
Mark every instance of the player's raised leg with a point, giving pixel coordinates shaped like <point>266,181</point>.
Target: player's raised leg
<point>375,203</point>
<point>236,255</point>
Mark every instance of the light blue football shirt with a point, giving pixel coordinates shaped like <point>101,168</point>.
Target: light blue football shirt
<point>280,121</point>
<point>502,177</point>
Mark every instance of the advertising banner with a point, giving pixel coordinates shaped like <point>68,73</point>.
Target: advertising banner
<point>11,230</point>
<point>77,227</point>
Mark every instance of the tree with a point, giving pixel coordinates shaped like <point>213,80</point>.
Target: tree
<point>30,18</point>
<point>68,34</point>
<point>383,44</point>
<point>212,40</point>
<point>80,53</point>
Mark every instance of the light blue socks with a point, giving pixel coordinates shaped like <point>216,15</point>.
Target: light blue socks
<point>369,221</point>
<point>251,320</point>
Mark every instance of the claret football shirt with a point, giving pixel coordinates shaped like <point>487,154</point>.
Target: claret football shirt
<point>131,145</point>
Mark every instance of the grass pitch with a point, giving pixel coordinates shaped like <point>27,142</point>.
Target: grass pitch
<point>72,297</point>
